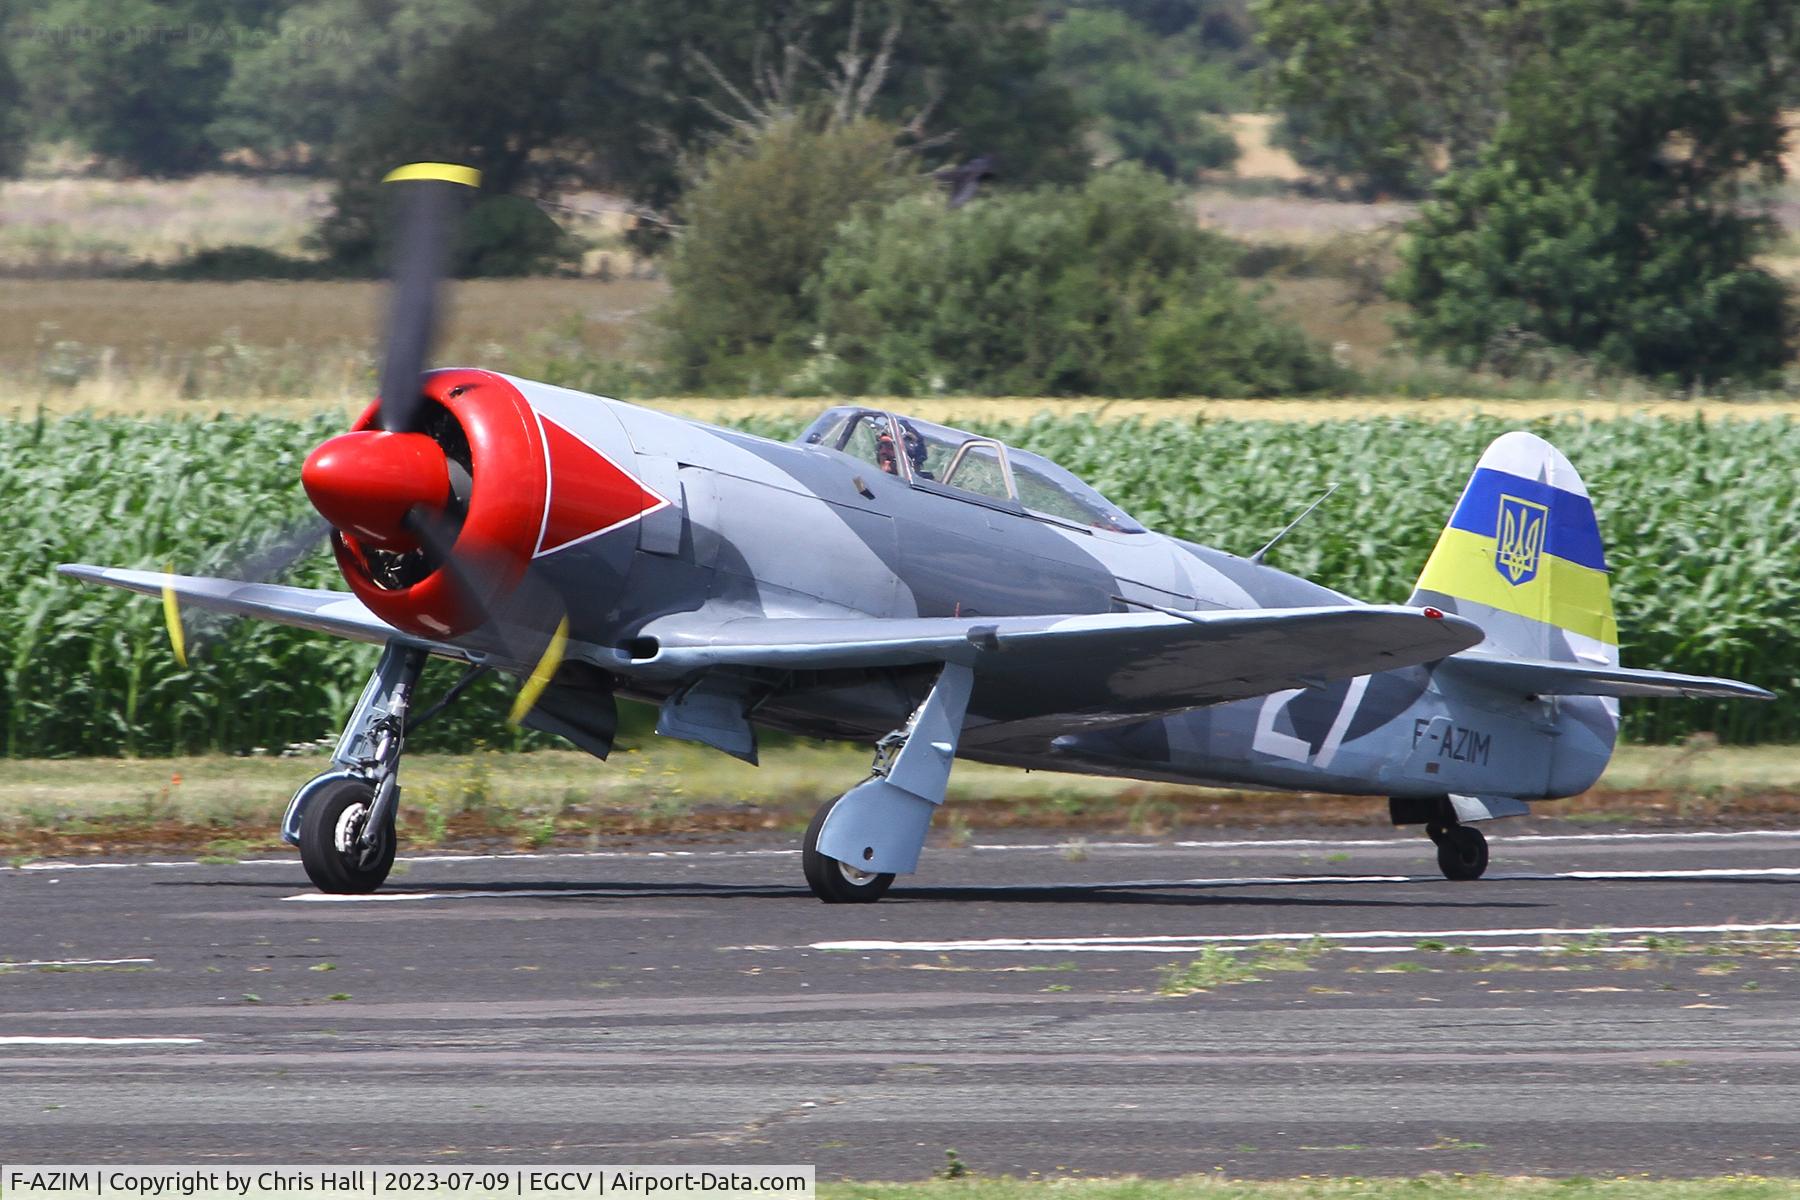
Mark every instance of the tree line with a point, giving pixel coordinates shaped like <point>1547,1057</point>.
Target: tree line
<point>1595,174</point>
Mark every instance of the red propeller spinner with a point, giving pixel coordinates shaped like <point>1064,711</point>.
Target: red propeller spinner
<point>367,484</point>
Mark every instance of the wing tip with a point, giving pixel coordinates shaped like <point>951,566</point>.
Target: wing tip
<point>1750,691</point>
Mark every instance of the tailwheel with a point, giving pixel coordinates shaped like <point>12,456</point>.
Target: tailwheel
<point>837,882</point>
<point>328,840</point>
<point>1462,851</point>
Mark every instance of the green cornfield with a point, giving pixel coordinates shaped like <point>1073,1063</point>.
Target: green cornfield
<point>1701,521</point>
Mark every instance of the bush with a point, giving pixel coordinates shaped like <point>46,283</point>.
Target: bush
<point>1612,214</point>
<point>509,235</point>
<point>1501,258</point>
<point>128,78</point>
<point>1108,290</point>
<point>759,220</point>
<point>1150,97</point>
<point>232,262</point>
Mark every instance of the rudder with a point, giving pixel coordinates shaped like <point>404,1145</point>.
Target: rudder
<point>1523,558</point>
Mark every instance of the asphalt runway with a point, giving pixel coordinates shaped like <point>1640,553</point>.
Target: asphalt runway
<point>691,1003</point>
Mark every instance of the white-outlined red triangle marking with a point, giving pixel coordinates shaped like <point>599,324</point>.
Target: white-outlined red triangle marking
<point>586,494</point>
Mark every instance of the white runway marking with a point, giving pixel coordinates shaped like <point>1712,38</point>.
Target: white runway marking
<point>674,889</point>
<point>1308,843</point>
<point>1170,943</point>
<point>452,859</point>
<point>1227,844</point>
<point>75,962</point>
<point>100,1041</point>
<point>1238,881</point>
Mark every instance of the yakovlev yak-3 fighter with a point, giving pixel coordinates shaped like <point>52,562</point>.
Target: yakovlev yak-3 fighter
<point>935,593</point>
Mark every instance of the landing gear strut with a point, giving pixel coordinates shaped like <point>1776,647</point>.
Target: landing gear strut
<point>343,820</point>
<point>860,841</point>
<point>1462,850</point>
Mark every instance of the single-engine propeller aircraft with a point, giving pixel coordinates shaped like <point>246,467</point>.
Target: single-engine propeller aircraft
<point>933,592</point>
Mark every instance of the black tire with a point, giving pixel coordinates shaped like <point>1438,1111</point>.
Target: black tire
<point>330,821</point>
<point>832,881</point>
<point>1462,852</point>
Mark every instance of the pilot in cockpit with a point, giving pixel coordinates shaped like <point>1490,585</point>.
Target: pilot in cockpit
<point>916,451</point>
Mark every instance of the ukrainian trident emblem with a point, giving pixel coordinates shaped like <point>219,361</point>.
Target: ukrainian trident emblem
<point>1519,539</point>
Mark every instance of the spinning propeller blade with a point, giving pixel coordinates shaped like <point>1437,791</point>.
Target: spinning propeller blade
<point>172,618</point>
<point>427,198</point>
<point>540,676</point>
<point>511,622</point>
<point>264,564</point>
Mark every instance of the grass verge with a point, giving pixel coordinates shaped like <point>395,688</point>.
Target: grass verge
<point>225,806</point>
<point>1423,1187</point>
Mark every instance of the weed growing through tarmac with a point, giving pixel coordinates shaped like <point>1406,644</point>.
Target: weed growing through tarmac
<point>1214,968</point>
<point>1217,967</point>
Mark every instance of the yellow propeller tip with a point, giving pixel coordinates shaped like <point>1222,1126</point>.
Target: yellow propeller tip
<point>446,172</point>
<point>541,674</point>
<point>172,618</point>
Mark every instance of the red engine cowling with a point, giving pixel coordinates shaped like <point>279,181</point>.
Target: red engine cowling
<point>478,463</point>
<point>500,481</point>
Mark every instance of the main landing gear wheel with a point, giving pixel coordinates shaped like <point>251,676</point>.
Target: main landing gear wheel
<point>1462,852</point>
<point>837,882</point>
<point>328,837</point>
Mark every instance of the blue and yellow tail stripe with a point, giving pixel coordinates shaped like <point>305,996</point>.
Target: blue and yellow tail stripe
<point>1574,534</point>
<point>1567,585</point>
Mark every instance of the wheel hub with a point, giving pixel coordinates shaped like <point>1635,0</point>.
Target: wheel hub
<point>349,827</point>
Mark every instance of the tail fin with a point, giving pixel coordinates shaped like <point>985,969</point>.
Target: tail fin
<point>1522,558</point>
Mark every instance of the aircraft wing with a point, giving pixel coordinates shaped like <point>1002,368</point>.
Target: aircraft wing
<point>1111,665</point>
<point>318,609</point>
<point>1536,677</point>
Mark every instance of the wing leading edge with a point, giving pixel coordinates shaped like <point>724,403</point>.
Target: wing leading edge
<point>1106,665</point>
<point>337,613</point>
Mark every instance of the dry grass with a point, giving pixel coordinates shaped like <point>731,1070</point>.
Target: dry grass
<point>1359,330</point>
<point>1446,408</point>
<point>1257,158</point>
<point>140,346</point>
<point>95,805</point>
<point>139,317</point>
<point>153,348</point>
<point>61,222</point>
<point>159,400</point>
<point>1063,1185</point>
<point>1292,219</point>
<point>62,225</point>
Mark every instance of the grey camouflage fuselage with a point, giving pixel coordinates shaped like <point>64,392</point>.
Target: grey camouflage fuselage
<point>773,529</point>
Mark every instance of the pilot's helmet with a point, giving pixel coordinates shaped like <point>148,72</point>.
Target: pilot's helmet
<point>916,449</point>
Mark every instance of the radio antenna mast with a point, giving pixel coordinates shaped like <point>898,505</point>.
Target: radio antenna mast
<point>1289,527</point>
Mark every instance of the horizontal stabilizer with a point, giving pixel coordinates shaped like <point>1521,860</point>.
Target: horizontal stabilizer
<point>1537,677</point>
